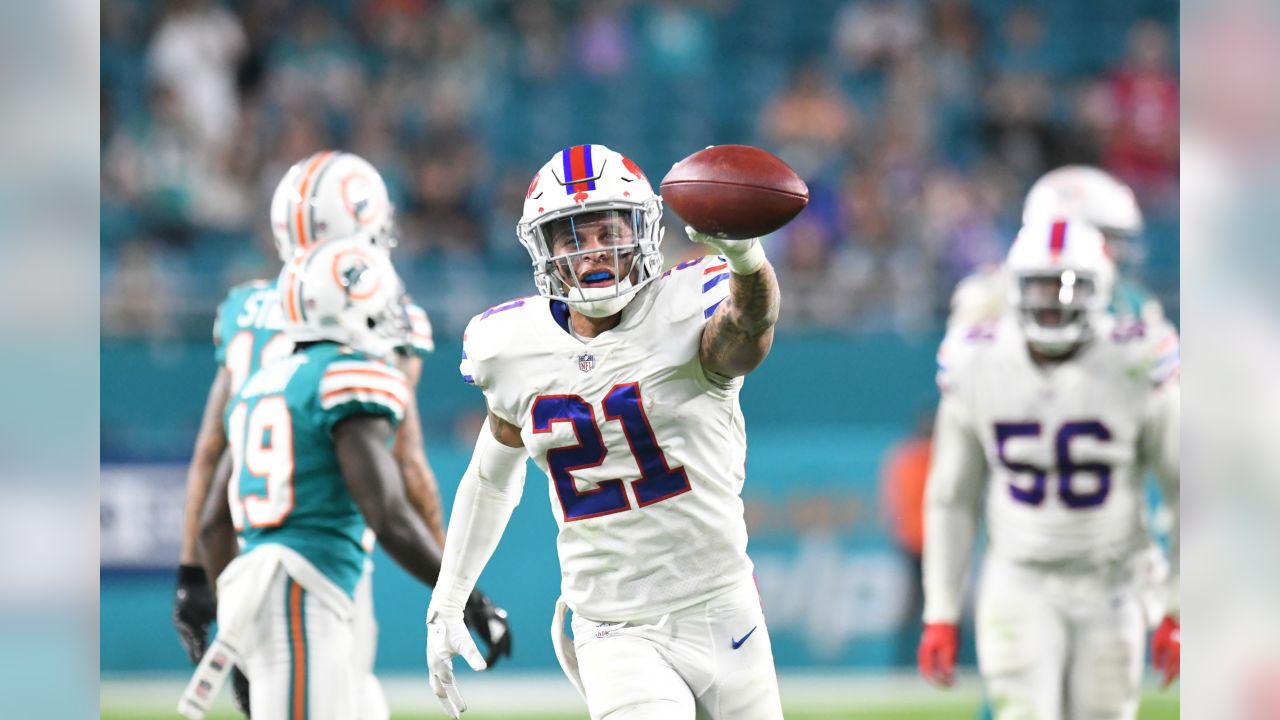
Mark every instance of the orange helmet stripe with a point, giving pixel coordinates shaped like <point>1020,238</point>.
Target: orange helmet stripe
<point>300,227</point>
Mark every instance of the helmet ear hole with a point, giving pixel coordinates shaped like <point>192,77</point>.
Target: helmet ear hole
<point>371,323</point>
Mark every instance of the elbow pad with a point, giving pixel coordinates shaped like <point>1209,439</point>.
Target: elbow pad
<point>488,493</point>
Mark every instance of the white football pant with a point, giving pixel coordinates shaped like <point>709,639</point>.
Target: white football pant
<point>300,667</point>
<point>711,661</point>
<point>371,702</point>
<point>1056,645</point>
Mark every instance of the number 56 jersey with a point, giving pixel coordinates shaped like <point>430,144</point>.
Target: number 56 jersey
<point>1062,448</point>
<point>644,450</point>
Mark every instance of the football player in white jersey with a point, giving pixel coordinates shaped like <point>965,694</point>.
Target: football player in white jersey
<point>1050,418</point>
<point>1076,192</point>
<point>327,195</point>
<point>621,381</point>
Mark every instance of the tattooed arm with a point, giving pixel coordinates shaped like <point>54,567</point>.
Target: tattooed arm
<point>419,480</point>
<point>738,337</point>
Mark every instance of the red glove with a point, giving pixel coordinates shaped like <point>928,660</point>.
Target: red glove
<point>937,657</point>
<point>1166,649</point>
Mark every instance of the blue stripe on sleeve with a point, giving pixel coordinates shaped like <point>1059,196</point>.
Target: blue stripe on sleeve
<point>706,314</point>
<point>714,281</point>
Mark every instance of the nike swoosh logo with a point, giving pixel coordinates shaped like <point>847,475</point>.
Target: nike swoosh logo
<point>738,643</point>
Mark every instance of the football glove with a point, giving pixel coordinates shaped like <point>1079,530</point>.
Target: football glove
<point>447,636</point>
<point>745,256</point>
<point>937,657</point>
<point>240,690</point>
<point>1166,650</point>
<point>194,609</point>
<point>489,622</point>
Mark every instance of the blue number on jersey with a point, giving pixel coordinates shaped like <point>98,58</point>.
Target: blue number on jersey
<point>1067,469</point>
<point>658,481</point>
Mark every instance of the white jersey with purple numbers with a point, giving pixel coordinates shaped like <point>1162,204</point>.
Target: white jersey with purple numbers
<point>644,449</point>
<point>1066,446</point>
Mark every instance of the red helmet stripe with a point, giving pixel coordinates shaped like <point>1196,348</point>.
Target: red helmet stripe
<point>1057,238</point>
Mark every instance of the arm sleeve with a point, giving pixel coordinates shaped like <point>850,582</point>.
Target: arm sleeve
<point>1161,450</point>
<point>489,492</point>
<point>953,499</point>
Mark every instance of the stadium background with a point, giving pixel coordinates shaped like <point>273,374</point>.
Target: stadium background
<point>918,126</point>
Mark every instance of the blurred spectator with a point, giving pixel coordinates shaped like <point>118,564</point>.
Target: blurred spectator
<point>603,42</point>
<point>1020,100</point>
<point>810,123</point>
<point>677,38</point>
<point>1141,131</point>
<point>917,159</point>
<point>139,295</point>
<point>316,66</point>
<point>540,42</point>
<point>872,34</point>
<point>903,473</point>
<point>1023,46</point>
<point>195,55</point>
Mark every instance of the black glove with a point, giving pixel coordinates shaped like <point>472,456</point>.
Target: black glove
<point>194,609</point>
<point>489,622</point>
<point>240,690</point>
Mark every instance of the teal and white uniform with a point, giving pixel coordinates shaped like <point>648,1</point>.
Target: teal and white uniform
<point>303,562</point>
<point>286,486</point>
<point>247,336</point>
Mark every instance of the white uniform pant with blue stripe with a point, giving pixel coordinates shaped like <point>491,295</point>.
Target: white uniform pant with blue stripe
<point>1056,645</point>
<point>300,667</point>
<point>709,661</point>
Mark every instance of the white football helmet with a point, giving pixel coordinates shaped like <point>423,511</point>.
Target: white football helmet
<point>1061,279</point>
<point>1081,192</point>
<point>591,186</point>
<point>328,195</point>
<point>347,291</point>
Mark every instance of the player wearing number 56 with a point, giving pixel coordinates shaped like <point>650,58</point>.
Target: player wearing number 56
<point>1051,418</point>
<point>621,381</point>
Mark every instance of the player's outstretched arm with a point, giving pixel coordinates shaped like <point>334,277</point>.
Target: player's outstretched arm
<point>217,540</point>
<point>953,495</point>
<point>739,335</point>
<point>369,469</point>
<point>488,493</point>
<point>419,480</point>
<point>193,604</point>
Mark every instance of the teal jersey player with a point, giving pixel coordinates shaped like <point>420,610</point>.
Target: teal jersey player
<point>286,485</point>
<point>248,331</point>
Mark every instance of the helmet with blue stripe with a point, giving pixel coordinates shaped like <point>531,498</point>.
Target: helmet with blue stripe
<point>593,226</point>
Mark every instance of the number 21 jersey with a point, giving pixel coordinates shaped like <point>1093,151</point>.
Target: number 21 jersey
<point>644,450</point>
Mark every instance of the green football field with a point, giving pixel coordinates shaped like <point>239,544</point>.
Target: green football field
<point>1153,708</point>
<point>901,696</point>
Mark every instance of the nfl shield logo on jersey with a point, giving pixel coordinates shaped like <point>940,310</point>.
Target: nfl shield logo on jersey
<point>586,361</point>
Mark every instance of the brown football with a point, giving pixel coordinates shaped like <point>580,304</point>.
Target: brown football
<point>734,191</point>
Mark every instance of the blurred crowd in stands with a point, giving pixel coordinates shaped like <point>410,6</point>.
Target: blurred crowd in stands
<point>917,124</point>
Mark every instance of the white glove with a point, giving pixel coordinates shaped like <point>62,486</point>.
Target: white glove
<point>745,257</point>
<point>447,636</point>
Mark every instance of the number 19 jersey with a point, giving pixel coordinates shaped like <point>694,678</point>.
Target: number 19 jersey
<point>286,485</point>
<point>644,450</point>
